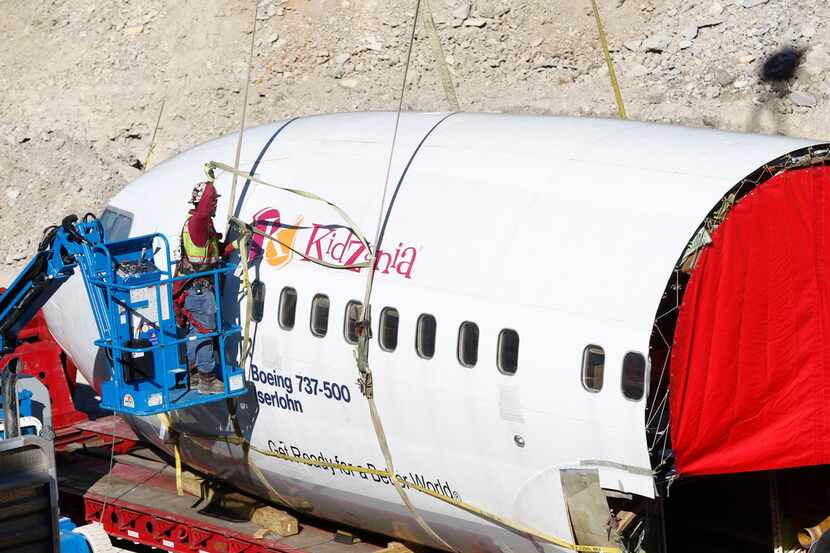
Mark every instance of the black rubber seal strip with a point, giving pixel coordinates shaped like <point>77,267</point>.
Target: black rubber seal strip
<point>400,181</point>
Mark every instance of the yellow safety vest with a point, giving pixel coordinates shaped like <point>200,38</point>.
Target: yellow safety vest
<point>201,258</point>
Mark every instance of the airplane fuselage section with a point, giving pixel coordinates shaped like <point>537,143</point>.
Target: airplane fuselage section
<point>509,253</point>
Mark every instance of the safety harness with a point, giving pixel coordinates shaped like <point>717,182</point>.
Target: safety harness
<point>194,259</point>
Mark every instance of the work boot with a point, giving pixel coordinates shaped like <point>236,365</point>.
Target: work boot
<point>209,384</point>
<point>195,377</point>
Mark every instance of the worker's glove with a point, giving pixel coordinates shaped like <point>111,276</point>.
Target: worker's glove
<point>237,228</point>
<point>256,243</point>
<point>208,168</point>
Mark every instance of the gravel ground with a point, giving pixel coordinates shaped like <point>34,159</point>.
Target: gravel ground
<point>83,82</point>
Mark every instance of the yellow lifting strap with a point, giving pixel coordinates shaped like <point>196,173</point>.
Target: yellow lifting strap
<point>232,202</point>
<point>609,62</point>
<point>167,424</point>
<point>245,349</point>
<point>274,494</point>
<point>362,352</point>
<point>246,284</point>
<point>470,508</point>
<point>440,59</point>
<point>304,194</point>
<point>155,133</point>
<point>248,228</point>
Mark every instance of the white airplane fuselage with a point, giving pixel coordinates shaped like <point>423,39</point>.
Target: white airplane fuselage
<point>562,230</point>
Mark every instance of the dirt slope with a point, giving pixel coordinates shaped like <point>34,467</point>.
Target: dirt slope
<point>82,82</point>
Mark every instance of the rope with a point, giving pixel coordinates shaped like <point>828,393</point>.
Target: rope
<point>109,472</point>
<point>242,122</point>
<point>609,62</point>
<point>438,52</point>
<point>180,32</point>
<point>155,132</point>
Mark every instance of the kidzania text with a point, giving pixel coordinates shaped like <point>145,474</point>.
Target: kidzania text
<point>340,245</point>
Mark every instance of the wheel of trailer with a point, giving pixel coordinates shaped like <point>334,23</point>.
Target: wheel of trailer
<point>97,538</point>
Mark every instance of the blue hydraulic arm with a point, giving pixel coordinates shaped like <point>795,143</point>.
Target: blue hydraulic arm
<point>131,298</point>
<point>53,263</point>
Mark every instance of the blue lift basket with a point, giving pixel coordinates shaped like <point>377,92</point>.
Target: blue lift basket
<point>132,301</point>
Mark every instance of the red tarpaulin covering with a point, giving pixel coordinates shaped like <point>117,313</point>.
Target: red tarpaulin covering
<point>750,365</point>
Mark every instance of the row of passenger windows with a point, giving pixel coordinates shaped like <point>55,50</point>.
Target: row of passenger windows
<point>507,356</point>
<point>507,349</point>
<point>633,372</point>
<point>117,223</point>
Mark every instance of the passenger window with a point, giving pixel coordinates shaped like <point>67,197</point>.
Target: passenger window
<point>116,223</point>
<point>350,321</point>
<point>593,368</point>
<point>633,375</point>
<point>389,328</point>
<point>287,308</point>
<point>320,315</point>
<point>468,344</point>
<point>507,358</point>
<point>425,336</point>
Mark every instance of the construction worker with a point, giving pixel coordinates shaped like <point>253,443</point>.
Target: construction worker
<point>195,299</point>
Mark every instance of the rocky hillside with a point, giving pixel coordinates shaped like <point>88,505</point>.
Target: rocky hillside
<point>83,81</point>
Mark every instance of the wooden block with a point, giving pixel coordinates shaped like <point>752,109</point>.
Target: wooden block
<point>262,533</point>
<point>196,485</point>
<point>277,521</point>
<point>346,538</point>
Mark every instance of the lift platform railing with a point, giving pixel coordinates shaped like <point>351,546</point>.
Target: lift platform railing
<point>132,302</point>
<point>134,305</point>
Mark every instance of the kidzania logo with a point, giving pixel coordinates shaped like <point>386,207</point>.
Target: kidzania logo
<point>276,250</point>
<point>340,245</point>
<point>329,243</point>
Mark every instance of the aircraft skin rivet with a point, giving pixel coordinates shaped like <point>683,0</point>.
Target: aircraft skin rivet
<point>519,440</point>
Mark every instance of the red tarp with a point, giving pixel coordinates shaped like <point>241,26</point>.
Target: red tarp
<point>750,371</point>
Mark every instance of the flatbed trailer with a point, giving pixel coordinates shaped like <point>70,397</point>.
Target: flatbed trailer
<point>142,505</point>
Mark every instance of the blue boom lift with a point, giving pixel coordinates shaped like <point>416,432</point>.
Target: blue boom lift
<point>132,302</point>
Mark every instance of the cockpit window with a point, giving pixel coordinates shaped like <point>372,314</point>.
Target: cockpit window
<point>116,223</point>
